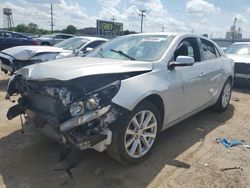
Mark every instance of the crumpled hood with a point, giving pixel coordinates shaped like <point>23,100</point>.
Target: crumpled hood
<point>26,52</point>
<point>239,58</point>
<point>75,67</point>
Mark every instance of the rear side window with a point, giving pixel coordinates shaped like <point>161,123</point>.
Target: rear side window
<point>209,50</point>
<point>94,44</point>
<point>65,36</point>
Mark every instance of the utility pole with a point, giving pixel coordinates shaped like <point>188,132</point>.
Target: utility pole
<point>162,29</point>
<point>142,15</point>
<point>113,19</point>
<point>51,18</point>
<point>192,31</point>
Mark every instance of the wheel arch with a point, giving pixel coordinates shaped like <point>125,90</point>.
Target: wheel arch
<point>158,102</point>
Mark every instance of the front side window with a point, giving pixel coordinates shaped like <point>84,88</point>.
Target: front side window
<point>240,49</point>
<point>8,35</point>
<point>208,49</point>
<point>188,47</point>
<point>134,47</point>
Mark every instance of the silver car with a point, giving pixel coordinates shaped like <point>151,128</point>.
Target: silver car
<point>14,58</point>
<point>124,93</point>
<point>240,53</point>
<point>50,40</point>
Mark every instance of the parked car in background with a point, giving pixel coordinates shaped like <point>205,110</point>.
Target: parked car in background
<point>15,58</point>
<point>240,53</point>
<point>51,40</point>
<point>9,39</point>
<point>123,94</point>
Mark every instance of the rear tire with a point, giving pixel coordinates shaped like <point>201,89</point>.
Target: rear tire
<point>224,99</point>
<point>134,134</point>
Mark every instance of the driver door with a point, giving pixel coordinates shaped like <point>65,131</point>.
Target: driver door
<point>193,91</point>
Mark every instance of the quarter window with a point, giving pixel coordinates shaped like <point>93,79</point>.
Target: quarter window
<point>208,49</point>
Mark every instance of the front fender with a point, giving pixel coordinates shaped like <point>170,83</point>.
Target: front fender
<point>135,89</point>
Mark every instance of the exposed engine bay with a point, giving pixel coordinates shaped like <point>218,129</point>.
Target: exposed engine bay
<point>77,113</point>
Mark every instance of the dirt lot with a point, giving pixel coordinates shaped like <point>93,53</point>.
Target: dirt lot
<point>186,155</point>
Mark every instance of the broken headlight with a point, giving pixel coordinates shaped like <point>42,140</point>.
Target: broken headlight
<point>77,109</point>
<point>95,100</point>
<point>62,93</point>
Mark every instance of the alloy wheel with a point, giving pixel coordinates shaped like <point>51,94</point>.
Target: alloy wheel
<point>226,95</point>
<point>140,134</point>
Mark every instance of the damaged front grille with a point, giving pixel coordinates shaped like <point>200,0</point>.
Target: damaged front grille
<point>242,68</point>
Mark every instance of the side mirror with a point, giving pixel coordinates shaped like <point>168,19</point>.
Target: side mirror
<point>79,53</point>
<point>182,61</point>
<point>88,50</point>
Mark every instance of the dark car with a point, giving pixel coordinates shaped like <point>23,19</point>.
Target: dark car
<point>10,39</point>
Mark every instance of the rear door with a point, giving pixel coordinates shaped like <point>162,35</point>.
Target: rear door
<point>213,61</point>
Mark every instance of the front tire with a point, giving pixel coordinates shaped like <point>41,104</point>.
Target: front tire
<point>134,134</point>
<point>225,96</point>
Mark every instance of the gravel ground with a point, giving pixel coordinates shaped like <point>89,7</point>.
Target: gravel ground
<point>186,155</point>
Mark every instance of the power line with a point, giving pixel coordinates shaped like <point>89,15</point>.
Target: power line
<point>142,15</point>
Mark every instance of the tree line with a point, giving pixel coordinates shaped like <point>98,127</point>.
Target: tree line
<point>33,28</point>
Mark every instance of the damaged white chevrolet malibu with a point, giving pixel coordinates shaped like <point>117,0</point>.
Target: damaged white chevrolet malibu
<point>124,93</point>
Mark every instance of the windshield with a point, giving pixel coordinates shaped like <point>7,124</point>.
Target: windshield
<point>74,43</point>
<point>134,47</point>
<point>240,49</point>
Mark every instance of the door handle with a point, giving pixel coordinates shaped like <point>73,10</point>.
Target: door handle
<point>203,74</point>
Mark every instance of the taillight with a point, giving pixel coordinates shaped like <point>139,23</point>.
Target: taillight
<point>35,42</point>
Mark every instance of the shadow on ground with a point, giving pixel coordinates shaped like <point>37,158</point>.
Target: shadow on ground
<point>29,159</point>
<point>3,84</point>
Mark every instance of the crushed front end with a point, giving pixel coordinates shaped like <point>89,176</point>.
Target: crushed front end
<point>72,112</point>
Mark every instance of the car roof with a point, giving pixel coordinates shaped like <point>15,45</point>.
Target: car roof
<point>180,34</point>
<point>62,34</point>
<point>241,43</point>
<point>92,38</point>
<point>14,33</point>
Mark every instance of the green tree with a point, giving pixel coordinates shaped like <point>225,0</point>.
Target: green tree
<point>21,28</point>
<point>70,29</point>
<point>127,32</point>
<point>32,28</point>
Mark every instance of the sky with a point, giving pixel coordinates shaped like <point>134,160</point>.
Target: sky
<point>213,17</point>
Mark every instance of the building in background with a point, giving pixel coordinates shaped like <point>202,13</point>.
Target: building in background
<point>234,33</point>
<point>87,31</point>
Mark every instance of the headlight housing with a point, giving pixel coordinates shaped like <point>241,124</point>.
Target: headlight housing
<point>77,109</point>
<point>95,100</point>
<point>45,57</point>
